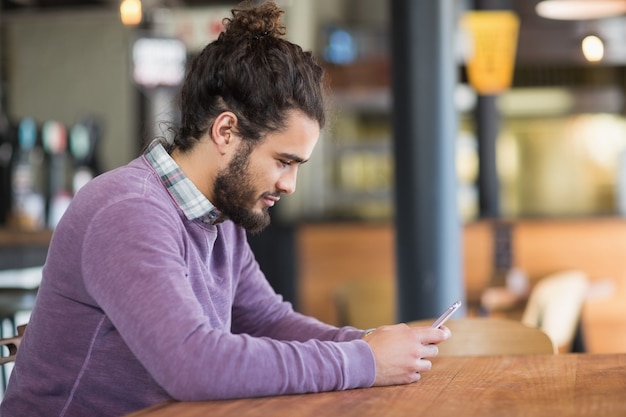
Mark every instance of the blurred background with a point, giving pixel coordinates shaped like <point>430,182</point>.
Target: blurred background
<point>560,137</point>
<point>532,133</point>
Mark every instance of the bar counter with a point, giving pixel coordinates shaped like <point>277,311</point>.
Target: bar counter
<point>23,248</point>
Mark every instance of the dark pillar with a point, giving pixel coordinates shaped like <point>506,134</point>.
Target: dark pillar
<point>425,124</point>
<point>487,127</point>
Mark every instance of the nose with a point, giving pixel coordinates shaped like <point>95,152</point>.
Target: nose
<point>287,181</point>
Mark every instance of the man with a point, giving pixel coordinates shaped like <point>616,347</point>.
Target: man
<point>150,291</point>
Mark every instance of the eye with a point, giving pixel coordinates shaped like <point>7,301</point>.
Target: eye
<point>285,162</point>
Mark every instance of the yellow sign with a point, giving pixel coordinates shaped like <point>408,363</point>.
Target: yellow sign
<point>493,45</point>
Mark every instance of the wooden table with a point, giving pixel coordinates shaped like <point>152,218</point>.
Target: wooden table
<point>536,385</point>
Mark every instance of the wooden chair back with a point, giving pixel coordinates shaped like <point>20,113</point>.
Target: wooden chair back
<point>12,344</point>
<point>482,336</point>
<point>555,306</point>
<point>365,304</point>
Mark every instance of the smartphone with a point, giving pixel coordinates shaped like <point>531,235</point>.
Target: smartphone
<point>446,315</point>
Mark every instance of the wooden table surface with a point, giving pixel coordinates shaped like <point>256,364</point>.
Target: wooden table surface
<point>566,385</point>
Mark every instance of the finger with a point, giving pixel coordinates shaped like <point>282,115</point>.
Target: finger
<point>428,351</point>
<point>446,331</point>
<point>430,335</point>
<point>424,365</point>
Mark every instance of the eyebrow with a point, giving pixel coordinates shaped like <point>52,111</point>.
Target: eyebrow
<point>292,157</point>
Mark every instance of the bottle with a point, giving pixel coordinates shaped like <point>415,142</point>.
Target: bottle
<point>54,139</point>
<point>27,190</point>
<point>84,137</point>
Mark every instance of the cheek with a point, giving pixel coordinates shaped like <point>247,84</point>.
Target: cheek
<point>263,176</point>
<point>264,171</point>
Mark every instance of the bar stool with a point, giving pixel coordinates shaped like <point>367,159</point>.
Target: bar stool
<point>13,301</point>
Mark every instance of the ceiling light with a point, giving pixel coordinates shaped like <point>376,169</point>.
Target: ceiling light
<point>580,9</point>
<point>130,12</point>
<point>593,48</point>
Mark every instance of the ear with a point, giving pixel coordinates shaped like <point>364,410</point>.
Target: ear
<point>224,130</point>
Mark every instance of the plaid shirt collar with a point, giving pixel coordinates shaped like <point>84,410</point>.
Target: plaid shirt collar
<point>191,201</point>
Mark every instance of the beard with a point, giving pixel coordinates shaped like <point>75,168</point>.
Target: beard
<point>235,195</point>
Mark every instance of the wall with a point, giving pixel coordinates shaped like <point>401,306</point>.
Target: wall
<point>332,255</point>
<point>335,256</point>
<point>70,64</point>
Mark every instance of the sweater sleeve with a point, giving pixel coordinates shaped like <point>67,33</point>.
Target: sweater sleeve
<point>134,269</point>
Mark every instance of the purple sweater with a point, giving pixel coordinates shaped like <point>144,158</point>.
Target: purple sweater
<point>139,305</point>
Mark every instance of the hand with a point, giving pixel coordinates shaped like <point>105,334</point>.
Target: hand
<point>401,352</point>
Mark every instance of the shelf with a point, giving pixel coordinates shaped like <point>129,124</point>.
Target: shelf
<point>374,99</point>
<point>381,145</point>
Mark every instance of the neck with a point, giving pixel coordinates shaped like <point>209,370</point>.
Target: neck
<point>199,165</point>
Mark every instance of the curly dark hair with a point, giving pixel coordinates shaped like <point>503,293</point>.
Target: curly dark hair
<point>253,72</point>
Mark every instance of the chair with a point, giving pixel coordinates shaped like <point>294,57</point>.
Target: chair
<point>365,304</point>
<point>12,344</point>
<point>8,351</point>
<point>13,300</point>
<point>555,305</point>
<point>484,336</point>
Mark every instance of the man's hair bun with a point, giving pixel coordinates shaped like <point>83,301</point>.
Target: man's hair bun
<point>254,22</point>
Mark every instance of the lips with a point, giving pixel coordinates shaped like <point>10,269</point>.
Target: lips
<point>270,200</point>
